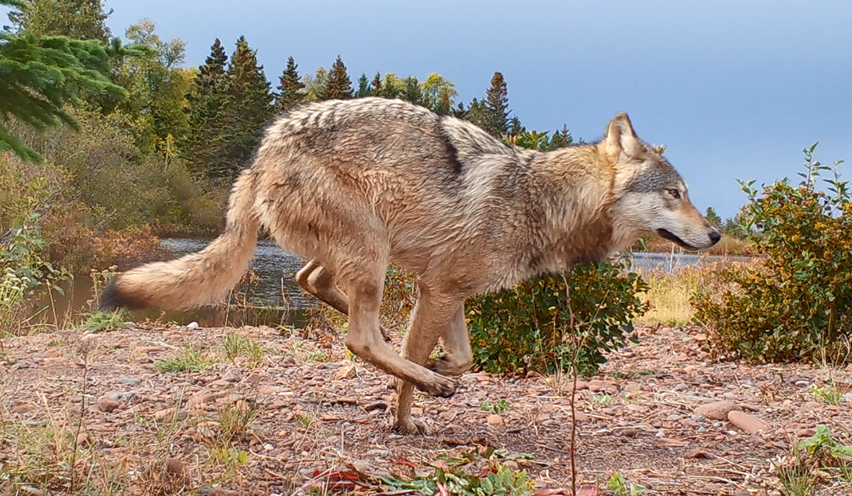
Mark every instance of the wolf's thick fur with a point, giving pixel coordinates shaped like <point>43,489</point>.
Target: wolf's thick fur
<point>356,184</point>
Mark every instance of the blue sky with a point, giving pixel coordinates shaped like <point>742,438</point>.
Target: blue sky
<point>734,89</point>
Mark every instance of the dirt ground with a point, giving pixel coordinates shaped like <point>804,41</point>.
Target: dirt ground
<point>321,419</point>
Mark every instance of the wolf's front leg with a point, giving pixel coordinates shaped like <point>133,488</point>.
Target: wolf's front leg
<point>432,317</point>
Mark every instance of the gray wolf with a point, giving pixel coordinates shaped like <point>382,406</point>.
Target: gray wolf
<point>353,185</point>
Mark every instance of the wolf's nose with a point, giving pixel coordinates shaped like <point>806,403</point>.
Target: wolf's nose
<point>715,237</point>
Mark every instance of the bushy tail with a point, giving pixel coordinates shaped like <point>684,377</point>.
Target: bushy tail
<point>199,278</point>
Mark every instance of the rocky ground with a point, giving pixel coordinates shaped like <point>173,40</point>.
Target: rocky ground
<point>161,409</point>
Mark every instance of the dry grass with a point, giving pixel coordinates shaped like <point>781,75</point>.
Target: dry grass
<point>670,293</point>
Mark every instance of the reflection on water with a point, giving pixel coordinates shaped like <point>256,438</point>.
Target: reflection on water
<point>276,299</point>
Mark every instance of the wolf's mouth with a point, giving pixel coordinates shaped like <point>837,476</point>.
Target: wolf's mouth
<point>665,233</point>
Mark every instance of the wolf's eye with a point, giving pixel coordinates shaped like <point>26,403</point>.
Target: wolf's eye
<point>675,194</point>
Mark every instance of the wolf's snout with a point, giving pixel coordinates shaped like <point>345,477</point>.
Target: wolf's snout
<point>715,237</point>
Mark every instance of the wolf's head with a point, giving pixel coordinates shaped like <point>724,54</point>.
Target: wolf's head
<point>650,195</point>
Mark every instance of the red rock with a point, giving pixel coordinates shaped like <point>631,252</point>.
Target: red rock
<point>718,410</point>
<point>748,423</point>
<point>345,372</point>
<point>108,405</point>
<point>494,420</point>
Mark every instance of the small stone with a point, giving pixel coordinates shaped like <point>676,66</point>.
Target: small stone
<point>805,432</point>
<point>597,386</point>
<point>150,349</point>
<point>23,364</point>
<point>130,380</point>
<point>175,467</point>
<point>233,374</point>
<point>199,399</point>
<point>748,423</point>
<point>632,388</point>
<point>192,326</point>
<point>168,413</point>
<point>108,405</point>
<point>717,410</point>
<point>347,371</point>
<point>681,386</point>
<point>697,453</point>
<point>581,417</point>
<point>494,420</point>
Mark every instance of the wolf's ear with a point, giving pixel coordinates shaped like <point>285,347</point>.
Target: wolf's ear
<point>621,138</point>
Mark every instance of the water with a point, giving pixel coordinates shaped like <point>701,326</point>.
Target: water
<point>670,262</point>
<point>276,299</point>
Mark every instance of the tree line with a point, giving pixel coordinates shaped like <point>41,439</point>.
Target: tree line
<point>187,130</point>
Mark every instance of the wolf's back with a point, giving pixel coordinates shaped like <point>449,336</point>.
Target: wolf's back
<point>199,278</point>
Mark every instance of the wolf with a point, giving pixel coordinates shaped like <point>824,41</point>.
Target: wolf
<point>354,185</point>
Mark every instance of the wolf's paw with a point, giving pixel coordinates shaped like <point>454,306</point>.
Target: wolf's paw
<point>393,383</point>
<point>385,333</point>
<point>441,386</point>
<point>411,426</point>
<point>445,366</point>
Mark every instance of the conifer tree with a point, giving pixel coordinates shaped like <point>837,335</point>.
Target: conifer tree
<point>364,87</point>
<point>77,19</point>
<point>496,120</point>
<point>477,113</point>
<point>377,85</point>
<point>43,74</point>
<point>460,112</point>
<point>249,108</point>
<point>339,85</point>
<point>411,91</point>
<point>290,88</point>
<point>205,147</point>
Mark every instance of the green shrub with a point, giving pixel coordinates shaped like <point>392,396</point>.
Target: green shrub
<point>529,326</point>
<point>796,303</point>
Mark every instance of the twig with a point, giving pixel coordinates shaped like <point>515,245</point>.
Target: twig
<point>574,358</point>
<point>82,414</point>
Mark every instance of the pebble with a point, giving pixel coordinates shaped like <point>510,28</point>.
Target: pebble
<point>347,371</point>
<point>192,326</point>
<point>748,423</point>
<point>23,364</point>
<point>597,386</point>
<point>130,380</point>
<point>717,410</point>
<point>494,420</point>
<point>233,374</point>
<point>108,405</point>
<point>805,432</point>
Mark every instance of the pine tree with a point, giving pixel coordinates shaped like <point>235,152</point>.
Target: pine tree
<point>249,107</point>
<point>713,218</point>
<point>205,147</point>
<point>339,85</point>
<point>290,88</point>
<point>496,120</point>
<point>515,127</point>
<point>77,19</point>
<point>411,91</point>
<point>364,87</point>
<point>377,85</point>
<point>477,113</point>
<point>460,112</point>
<point>43,74</point>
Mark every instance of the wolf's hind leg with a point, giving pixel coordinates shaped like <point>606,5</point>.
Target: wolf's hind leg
<point>365,281</point>
<point>456,343</point>
<point>319,281</point>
